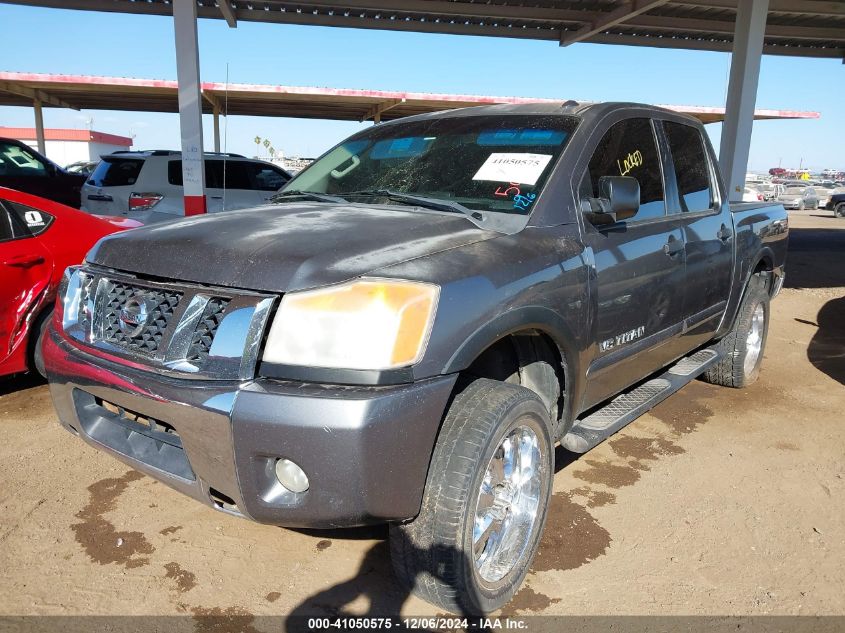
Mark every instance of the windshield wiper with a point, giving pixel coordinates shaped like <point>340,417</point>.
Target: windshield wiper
<point>307,195</point>
<point>430,203</point>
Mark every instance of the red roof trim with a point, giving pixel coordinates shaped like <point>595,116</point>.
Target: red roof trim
<point>67,134</point>
<point>130,82</point>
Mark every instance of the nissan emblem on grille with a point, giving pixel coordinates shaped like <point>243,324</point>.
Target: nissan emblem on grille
<point>133,316</point>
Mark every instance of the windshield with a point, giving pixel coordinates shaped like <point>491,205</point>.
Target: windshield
<point>480,162</point>
<point>794,191</point>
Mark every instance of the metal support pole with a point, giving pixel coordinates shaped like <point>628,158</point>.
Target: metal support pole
<point>742,94</point>
<point>39,127</point>
<point>216,115</point>
<point>190,105</point>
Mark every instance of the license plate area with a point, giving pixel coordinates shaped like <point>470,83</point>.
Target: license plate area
<point>140,437</point>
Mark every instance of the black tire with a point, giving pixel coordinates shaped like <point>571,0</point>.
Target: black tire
<point>433,554</point>
<point>37,356</point>
<point>801,206</point>
<point>839,210</point>
<point>731,370</point>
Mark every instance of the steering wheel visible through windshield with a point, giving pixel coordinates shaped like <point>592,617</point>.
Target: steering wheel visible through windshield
<point>483,163</point>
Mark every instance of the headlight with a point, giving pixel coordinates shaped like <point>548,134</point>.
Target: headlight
<point>365,324</point>
<point>77,292</point>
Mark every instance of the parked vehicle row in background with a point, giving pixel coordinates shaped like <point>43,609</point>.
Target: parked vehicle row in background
<point>39,238</point>
<point>24,169</point>
<point>84,167</point>
<point>147,185</point>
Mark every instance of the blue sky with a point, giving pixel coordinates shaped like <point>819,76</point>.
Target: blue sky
<point>81,42</point>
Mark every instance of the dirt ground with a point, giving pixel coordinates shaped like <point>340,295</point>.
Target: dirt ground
<point>719,502</point>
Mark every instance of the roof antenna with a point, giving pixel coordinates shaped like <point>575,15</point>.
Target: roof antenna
<point>569,103</point>
<point>225,132</point>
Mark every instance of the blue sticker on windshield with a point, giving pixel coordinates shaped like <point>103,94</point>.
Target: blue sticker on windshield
<point>504,138</point>
<point>400,147</point>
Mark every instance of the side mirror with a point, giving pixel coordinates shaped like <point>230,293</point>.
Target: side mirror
<point>619,199</point>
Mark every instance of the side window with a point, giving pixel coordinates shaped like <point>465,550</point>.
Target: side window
<point>17,161</point>
<point>266,177</point>
<point>629,149</point>
<point>5,226</point>
<point>174,172</point>
<point>25,221</point>
<point>692,169</point>
<point>236,176</point>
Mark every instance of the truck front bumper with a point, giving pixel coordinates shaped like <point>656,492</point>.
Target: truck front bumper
<point>365,450</point>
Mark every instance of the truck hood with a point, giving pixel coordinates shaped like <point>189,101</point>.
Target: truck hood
<point>280,248</point>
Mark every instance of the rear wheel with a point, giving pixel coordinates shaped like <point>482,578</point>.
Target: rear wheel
<point>801,206</point>
<point>485,501</point>
<point>839,210</point>
<point>742,348</point>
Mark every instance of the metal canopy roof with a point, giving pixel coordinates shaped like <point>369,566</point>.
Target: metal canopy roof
<point>814,28</point>
<point>154,95</point>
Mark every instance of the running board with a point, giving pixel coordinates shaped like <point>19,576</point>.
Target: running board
<point>628,406</point>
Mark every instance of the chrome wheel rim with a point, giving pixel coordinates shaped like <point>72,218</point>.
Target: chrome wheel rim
<point>507,508</point>
<point>754,342</point>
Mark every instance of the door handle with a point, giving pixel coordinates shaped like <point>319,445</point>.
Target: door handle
<point>24,261</point>
<point>724,234</point>
<point>673,246</point>
<point>100,197</point>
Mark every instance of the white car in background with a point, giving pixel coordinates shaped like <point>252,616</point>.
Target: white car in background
<point>800,198</point>
<point>147,185</point>
<point>750,194</point>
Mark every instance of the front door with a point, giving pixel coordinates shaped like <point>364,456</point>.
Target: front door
<point>639,265</point>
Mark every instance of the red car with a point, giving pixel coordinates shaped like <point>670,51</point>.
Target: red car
<point>39,238</point>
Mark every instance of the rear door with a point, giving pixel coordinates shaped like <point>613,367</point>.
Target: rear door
<point>229,186</point>
<point>639,265</point>
<point>25,269</point>
<point>708,231</point>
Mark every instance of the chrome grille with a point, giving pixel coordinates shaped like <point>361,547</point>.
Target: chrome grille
<point>204,333</point>
<point>159,305</point>
<point>171,327</point>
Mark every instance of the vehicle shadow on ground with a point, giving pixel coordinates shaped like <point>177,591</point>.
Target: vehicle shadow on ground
<point>827,348</point>
<point>374,591</point>
<point>19,382</point>
<point>816,257</point>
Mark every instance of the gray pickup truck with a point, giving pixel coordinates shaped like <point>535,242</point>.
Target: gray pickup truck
<point>421,316</point>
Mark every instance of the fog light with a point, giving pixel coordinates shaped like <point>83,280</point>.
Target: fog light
<point>291,476</point>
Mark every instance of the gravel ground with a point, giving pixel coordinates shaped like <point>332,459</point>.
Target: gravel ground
<point>718,502</point>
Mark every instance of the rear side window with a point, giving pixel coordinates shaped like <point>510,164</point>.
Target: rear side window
<point>629,149</point>
<point>692,169</point>
<point>116,172</point>
<point>25,221</point>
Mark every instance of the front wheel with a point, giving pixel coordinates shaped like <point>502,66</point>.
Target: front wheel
<point>839,210</point>
<point>485,501</point>
<point>801,206</point>
<point>742,348</point>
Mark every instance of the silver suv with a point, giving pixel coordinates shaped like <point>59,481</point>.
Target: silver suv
<point>147,185</point>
